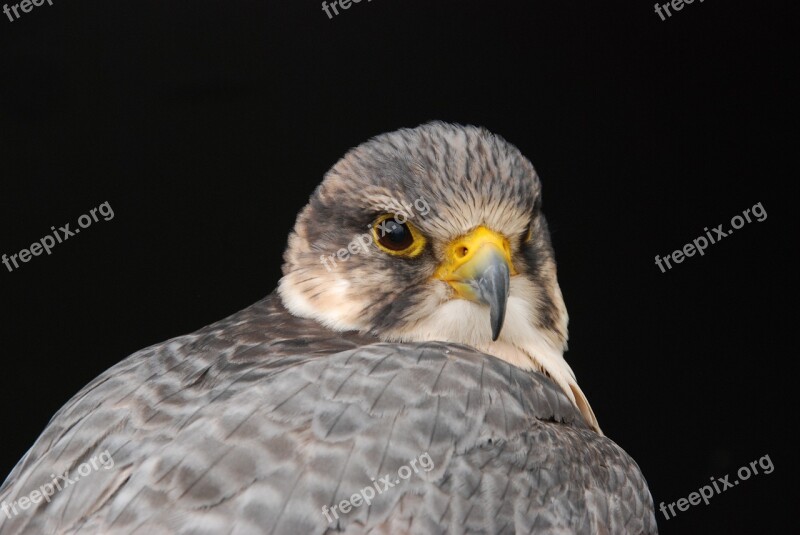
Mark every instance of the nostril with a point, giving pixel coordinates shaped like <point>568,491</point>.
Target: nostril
<point>461,251</point>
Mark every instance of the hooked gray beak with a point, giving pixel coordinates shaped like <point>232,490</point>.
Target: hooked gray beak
<point>478,267</point>
<point>491,288</point>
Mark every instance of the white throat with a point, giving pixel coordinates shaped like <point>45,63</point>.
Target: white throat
<point>459,321</point>
<point>520,343</point>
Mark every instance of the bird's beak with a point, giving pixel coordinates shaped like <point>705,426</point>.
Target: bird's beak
<point>478,267</point>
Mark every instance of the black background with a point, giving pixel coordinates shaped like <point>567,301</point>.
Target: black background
<point>207,124</point>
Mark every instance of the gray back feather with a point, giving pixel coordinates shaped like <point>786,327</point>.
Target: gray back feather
<point>235,429</point>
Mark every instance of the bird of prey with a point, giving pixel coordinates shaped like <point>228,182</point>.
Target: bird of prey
<point>407,376</point>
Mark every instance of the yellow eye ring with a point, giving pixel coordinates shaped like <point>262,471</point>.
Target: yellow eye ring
<point>397,238</point>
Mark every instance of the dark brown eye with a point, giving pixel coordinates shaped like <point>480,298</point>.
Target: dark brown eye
<point>397,238</point>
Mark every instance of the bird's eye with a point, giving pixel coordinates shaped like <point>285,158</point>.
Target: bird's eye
<point>397,238</point>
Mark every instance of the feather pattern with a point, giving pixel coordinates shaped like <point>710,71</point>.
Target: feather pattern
<point>234,429</point>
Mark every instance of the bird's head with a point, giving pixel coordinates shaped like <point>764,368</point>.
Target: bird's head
<point>434,233</point>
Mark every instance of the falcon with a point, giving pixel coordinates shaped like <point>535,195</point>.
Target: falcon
<point>407,376</point>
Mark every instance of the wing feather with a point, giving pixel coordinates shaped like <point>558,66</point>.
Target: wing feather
<point>228,430</point>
